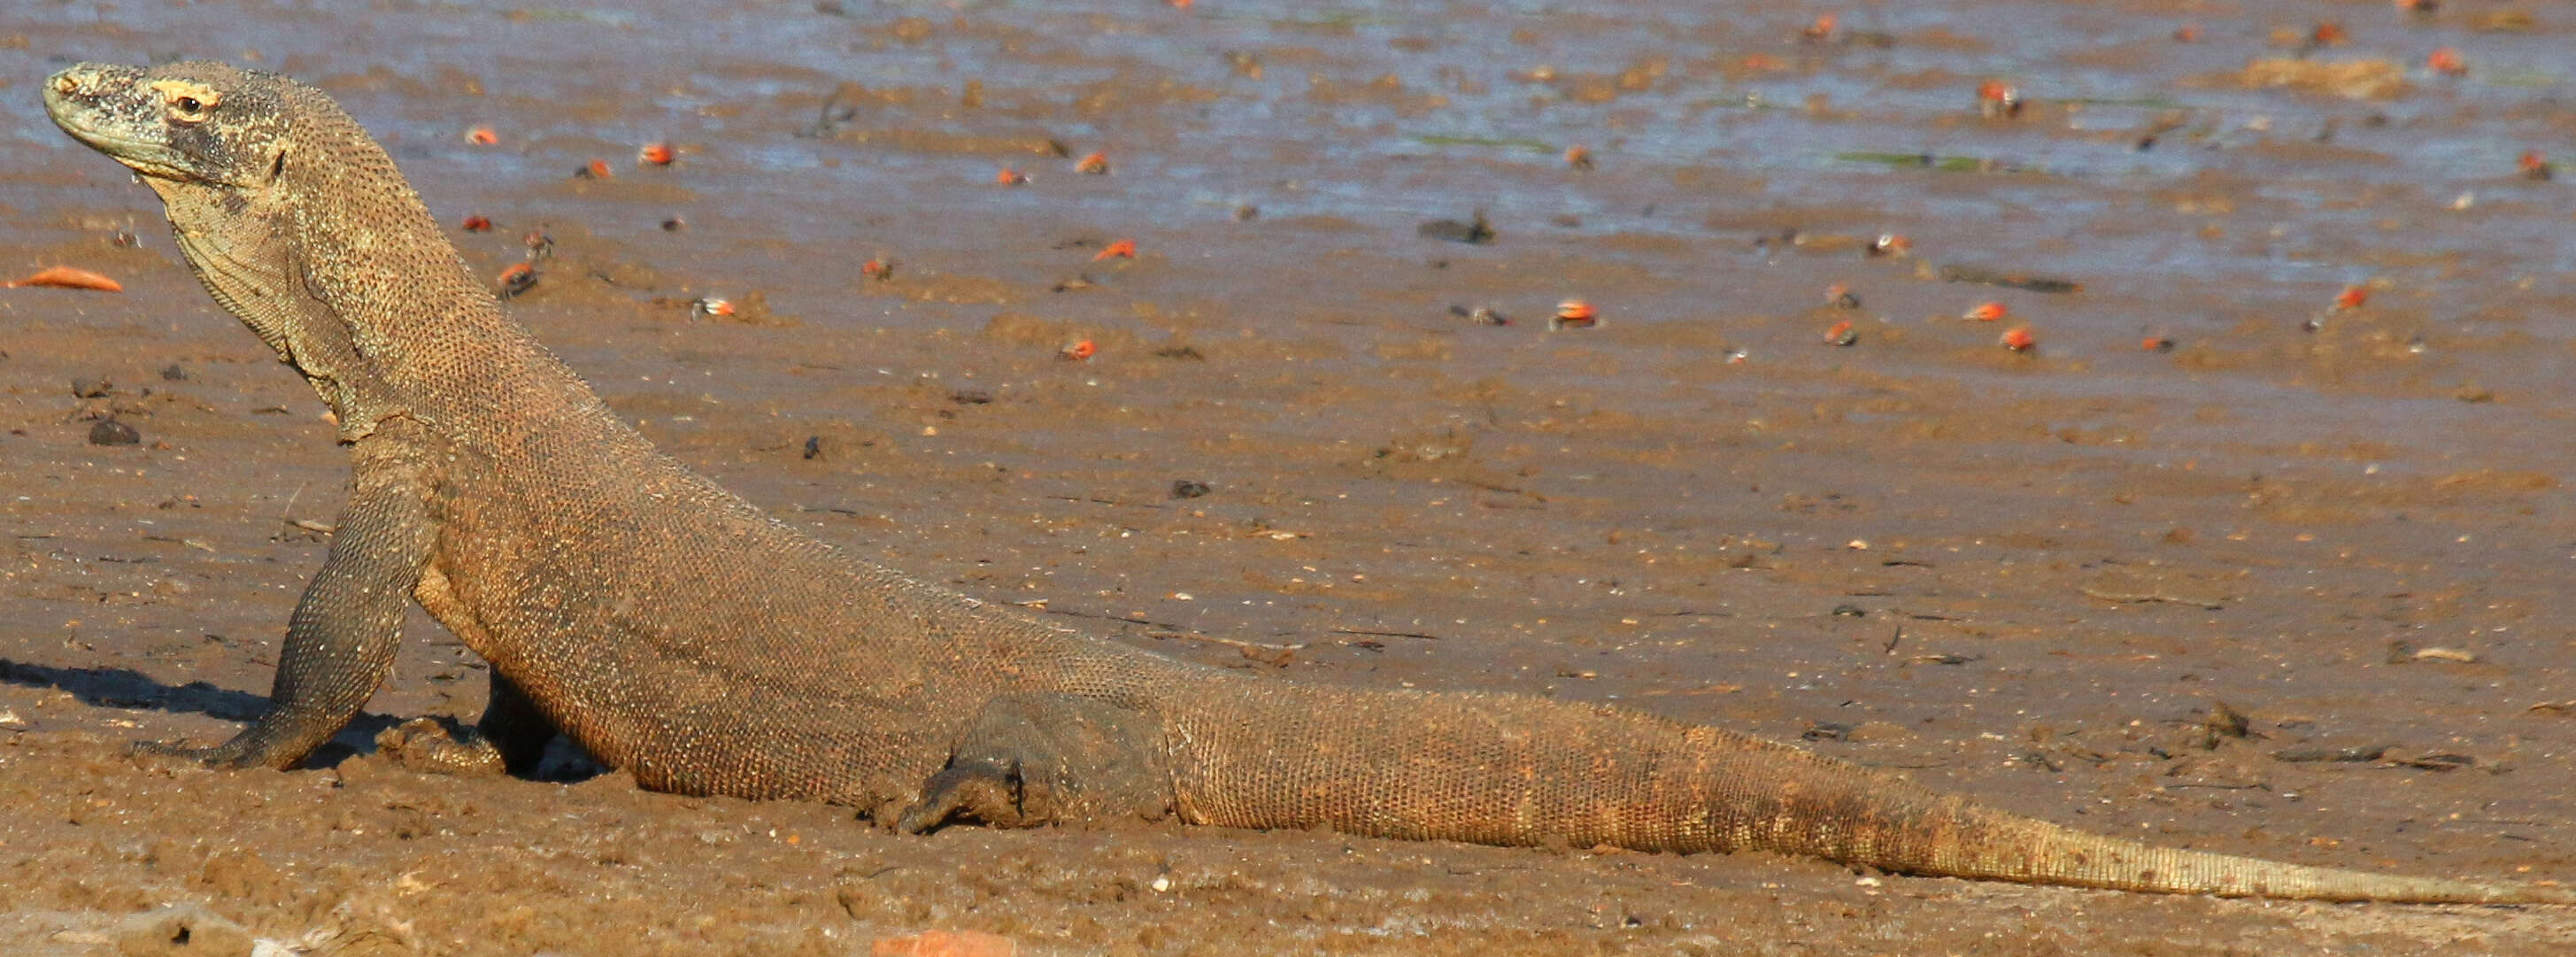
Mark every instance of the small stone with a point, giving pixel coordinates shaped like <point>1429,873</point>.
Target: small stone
<point>113,432</point>
<point>182,931</point>
<point>945,943</point>
<point>1185,488</point>
<point>91,388</point>
<point>174,373</point>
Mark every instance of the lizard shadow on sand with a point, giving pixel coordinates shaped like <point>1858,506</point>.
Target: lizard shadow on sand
<point>132,690</point>
<point>564,762</point>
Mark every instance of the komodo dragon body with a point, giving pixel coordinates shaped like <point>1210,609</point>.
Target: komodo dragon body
<point>677,632</point>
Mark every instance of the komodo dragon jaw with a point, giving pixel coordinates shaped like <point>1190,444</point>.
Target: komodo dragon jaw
<point>674,630</point>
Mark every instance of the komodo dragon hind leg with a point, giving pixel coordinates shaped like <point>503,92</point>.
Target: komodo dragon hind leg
<point>1032,759</point>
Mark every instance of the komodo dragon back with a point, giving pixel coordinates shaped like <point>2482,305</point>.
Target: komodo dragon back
<point>672,629</point>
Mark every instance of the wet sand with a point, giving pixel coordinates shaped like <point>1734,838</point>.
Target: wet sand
<point>2027,576</point>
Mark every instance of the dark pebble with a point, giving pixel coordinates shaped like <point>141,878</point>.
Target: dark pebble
<point>1184,488</point>
<point>1476,232</point>
<point>91,388</point>
<point>113,432</point>
<point>174,373</point>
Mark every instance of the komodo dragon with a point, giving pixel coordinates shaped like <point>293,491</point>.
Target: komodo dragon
<point>678,633</point>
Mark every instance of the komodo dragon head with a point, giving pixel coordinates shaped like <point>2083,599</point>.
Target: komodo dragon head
<point>190,128</point>
<point>290,215</point>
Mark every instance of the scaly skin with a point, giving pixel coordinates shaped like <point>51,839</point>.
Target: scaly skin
<point>675,631</point>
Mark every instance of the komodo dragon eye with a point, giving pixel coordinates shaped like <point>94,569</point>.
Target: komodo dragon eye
<point>188,102</point>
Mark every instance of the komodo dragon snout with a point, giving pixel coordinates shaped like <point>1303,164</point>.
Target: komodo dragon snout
<point>674,630</point>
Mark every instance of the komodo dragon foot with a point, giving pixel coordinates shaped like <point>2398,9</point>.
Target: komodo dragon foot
<point>426,746</point>
<point>510,739</point>
<point>1032,759</point>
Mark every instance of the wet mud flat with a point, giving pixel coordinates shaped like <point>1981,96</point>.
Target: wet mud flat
<point>2259,547</point>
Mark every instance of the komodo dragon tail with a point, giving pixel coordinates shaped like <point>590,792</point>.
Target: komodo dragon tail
<point>1523,771</point>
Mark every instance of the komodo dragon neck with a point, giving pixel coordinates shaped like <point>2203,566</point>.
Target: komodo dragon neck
<point>676,631</point>
<point>309,235</point>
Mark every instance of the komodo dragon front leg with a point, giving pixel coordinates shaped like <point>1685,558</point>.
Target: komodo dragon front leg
<point>340,642</point>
